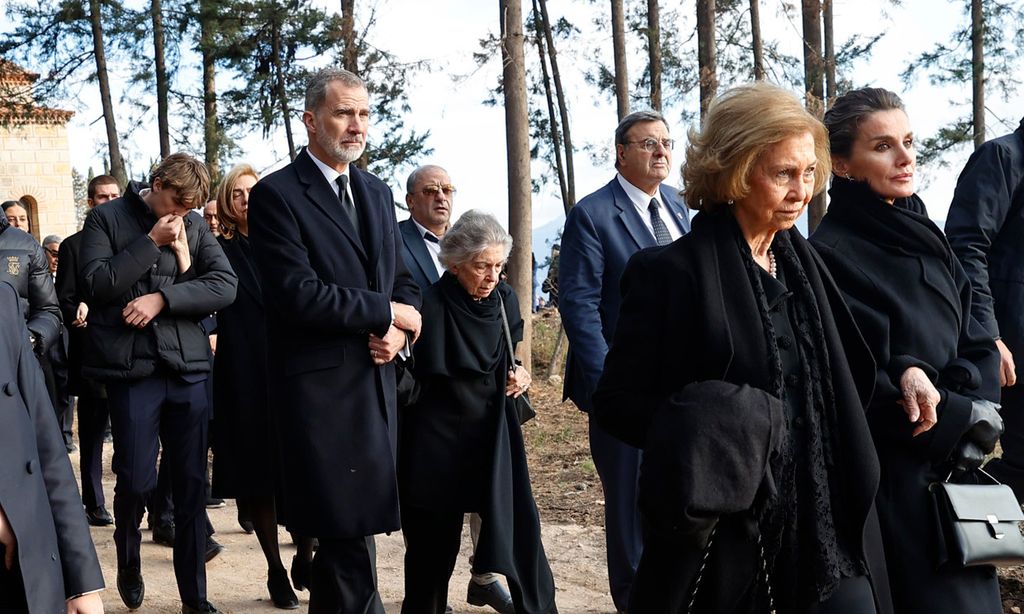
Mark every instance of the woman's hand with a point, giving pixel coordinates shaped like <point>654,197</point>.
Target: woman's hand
<point>86,604</point>
<point>920,399</point>
<point>181,253</point>
<point>518,381</point>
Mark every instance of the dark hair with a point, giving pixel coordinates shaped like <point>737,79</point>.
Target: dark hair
<point>184,173</point>
<point>101,180</point>
<point>316,87</point>
<point>849,110</point>
<point>10,203</point>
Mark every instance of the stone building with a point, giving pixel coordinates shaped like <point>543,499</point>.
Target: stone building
<point>35,162</point>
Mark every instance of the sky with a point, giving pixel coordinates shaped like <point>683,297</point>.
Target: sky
<point>468,137</point>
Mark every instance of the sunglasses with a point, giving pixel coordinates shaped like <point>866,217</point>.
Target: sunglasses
<point>433,190</point>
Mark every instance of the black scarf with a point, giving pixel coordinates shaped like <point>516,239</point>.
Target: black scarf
<point>901,226</point>
<point>797,519</point>
<point>466,335</point>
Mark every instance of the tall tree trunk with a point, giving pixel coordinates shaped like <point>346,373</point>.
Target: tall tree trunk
<point>830,53</point>
<point>211,129</point>
<point>755,34</point>
<point>350,51</point>
<point>563,110</point>
<point>156,12</point>
<point>539,27</point>
<point>619,51</point>
<point>116,161</point>
<point>654,51</point>
<point>517,139</point>
<point>813,82</point>
<point>978,71</point>
<point>280,91</point>
<point>706,53</point>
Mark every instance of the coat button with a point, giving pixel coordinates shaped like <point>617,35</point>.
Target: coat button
<point>792,380</point>
<point>53,557</point>
<point>798,422</point>
<point>9,389</point>
<point>785,342</point>
<point>30,467</point>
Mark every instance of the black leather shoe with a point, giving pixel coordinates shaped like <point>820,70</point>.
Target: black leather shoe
<point>247,526</point>
<point>300,573</point>
<point>99,517</point>
<point>203,608</point>
<point>163,534</point>
<point>212,549</point>
<point>493,594</point>
<point>131,587</point>
<point>280,588</point>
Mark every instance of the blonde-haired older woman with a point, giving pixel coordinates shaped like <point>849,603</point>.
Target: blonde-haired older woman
<point>738,369</point>
<point>461,446</point>
<point>245,465</point>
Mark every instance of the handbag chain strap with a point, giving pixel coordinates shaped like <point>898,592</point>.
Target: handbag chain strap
<point>704,562</point>
<point>508,333</point>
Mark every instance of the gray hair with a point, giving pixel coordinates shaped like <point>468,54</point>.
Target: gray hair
<point>51,239</point>
<point>410,183</point>
<point>474,232</point>
<point>637,117</point>
<point>316,87</point>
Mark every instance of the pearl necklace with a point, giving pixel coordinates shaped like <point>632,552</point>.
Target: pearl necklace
<point>772,270</point>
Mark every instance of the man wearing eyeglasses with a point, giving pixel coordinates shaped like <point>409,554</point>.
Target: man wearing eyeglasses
<point>631,212</point>
<point>429,195</point>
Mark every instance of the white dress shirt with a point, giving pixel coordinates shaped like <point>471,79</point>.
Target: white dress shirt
<point>641,200</point>
<point>433,247</point>
<point>332,175</point>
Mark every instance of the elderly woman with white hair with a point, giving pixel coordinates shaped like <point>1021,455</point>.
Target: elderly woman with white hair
<point>461,445</point>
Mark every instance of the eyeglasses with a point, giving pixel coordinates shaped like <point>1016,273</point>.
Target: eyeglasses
<point>50,251</point>
<point>650,145</point>
<point>433,190</point>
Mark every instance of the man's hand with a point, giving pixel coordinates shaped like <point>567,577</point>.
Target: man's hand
<point>920,399</point>
<point>1007,370</point>
<point>383,351</point>
<point>142,310</point>
<point>80,316</point>
<point>180,248</point>
<point>86,604</point>
<point>166,229</point>
<point>408,319</point>
<point>213,343</point>
<point>7,540</point>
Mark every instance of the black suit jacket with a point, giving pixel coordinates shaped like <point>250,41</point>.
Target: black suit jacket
<point>325,289</point>
<point>37,487</point>
<point>415,255</point>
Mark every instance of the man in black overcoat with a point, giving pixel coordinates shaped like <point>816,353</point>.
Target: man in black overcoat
<point>339,304</point>
<point>985,228</point>
<point>151,271</point>
<point>92,396</point>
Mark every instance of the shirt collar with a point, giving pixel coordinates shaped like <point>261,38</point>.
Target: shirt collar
<point>638,197</point>
<point>421,229</point>
<point>329,173</point>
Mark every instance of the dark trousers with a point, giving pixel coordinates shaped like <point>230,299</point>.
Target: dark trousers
<point>92,421</point>
<point>343,577</point>
<point>144,413</point>
<point>12,589</point>
<point>618,466</point>
<point>432,540</point>
<point>160,502</point>
<point>1009,469</point>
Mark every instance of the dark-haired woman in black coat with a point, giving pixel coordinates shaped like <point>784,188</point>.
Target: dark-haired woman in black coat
<point>935,364</point>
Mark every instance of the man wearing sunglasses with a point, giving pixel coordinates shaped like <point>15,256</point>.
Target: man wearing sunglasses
<point>429,195</point>
<point>631,212</point>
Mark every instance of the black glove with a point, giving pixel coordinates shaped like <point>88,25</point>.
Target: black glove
<point>986,425</point>
<point>967,457</point>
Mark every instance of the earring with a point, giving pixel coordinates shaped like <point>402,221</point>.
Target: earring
<point>730,202</point>
<point>847,175</point>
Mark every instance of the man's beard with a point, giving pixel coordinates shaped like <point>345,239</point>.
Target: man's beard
<point>337,151</point>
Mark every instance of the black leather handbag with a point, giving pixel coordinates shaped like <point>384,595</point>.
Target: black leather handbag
<point>979,523</point>
<point>524,409</point>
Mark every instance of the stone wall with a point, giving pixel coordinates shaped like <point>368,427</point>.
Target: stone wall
<point>35,166</point>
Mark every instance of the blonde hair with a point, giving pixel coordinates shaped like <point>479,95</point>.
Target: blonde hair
<point>740,125</point>
<point>185,174</point>
<point>227,214</point>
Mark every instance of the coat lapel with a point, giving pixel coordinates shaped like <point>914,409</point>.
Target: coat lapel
<point>243,267</point>
<point>318,191</point>
<point>678,212</point>
<point>413,241</point>
<point>369,203</point>
<point>630,218</point>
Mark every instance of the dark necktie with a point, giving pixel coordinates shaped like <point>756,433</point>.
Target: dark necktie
<point>661,234</point>
<point>429,236</point>
<point>346,202</point>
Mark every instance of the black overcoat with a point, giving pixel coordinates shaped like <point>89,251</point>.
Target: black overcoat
<point>690,315</point>
<point>325,289</point>
<point>245,459</point>
<point>913,307</point>
<point>37,487</point>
